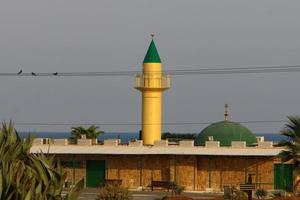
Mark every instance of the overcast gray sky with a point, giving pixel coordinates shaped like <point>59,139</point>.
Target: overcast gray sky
<point>106,35</point>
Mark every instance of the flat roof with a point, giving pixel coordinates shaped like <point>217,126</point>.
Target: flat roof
<point>154,150</point>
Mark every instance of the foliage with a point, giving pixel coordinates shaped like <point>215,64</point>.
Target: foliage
<point>75,191</point>
<point>114,192</point>
<point>235,194</point>
<point>178,189</point>
<point>91,132</point>
<point>261,193</point>
<point>29,176</point>
<point>292,144</point>
<point>278,193</point>
<point>178,136</point>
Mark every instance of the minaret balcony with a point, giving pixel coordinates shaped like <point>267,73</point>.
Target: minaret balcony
<point>152,82</point>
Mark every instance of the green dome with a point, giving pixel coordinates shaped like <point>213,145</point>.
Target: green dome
<point>225,132</point>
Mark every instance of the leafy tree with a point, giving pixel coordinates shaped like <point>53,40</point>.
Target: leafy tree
<point>91,132</point>
<point>24,175</point>
<point>292,144</point>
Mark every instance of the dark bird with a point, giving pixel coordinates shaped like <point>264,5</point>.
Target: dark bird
<point>20,72</point>
<point>55,74</point>
<point>33,74</point>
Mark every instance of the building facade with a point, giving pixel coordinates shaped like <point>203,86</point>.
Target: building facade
<point>224,154</point>
<point>204,168</point>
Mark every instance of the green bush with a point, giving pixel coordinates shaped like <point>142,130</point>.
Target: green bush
<point>114,192</point>
<point>278,193</point>
<point>235,194</point>
<point>261,193</point>
<point>178,189</point>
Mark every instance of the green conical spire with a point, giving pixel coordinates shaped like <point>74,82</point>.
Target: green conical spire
<point>152,55</point>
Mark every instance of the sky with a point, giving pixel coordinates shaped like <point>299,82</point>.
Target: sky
<point>92,35</point>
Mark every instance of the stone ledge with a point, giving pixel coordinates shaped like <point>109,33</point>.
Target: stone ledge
<point>238,144</point>
<point>60,142</point>
<point>161,143</point>
<point>212,144</point>
<point>84,142</point>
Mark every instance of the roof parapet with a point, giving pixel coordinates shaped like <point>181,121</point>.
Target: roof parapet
<point>40,141</point>
<point>157,143</point>
<point>112,142</point>
<point>37,141</point>
<point>136,143</point>
<point>238,144</point>
<point>260,138</point>
<point>60,142</point>
<point>84,142</point>
<point>212,144</point>
<point>161,143</point>
<point>265,145</point>
<point>186,143</point>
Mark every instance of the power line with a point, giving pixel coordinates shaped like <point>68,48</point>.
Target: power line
<point>175,72</point>
<point>137,124</point>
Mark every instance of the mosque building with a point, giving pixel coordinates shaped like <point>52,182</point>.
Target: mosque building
<point>223,154</point>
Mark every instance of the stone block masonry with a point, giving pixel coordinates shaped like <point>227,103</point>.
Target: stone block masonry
<point>199,173</point>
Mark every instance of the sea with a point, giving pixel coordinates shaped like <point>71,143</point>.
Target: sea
<point>125,136</point>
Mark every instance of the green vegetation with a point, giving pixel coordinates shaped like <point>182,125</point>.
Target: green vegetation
<point>278,193</point>
<point>292,144</point>
<point>175,137</point>
<point>29,176</point>
<point>178,189</point>
<point>91,132</point>
<point>114,192</point>
<point>261,193</point>
<point>235,194</point>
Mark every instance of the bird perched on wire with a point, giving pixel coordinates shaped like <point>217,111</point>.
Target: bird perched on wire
<point>55,73</point>
<point>20,72</point>
<point>33,74</point>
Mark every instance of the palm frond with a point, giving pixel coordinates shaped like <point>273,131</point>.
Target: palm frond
<point>24,175</point>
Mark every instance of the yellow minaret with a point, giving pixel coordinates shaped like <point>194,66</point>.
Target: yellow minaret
<point>152,82</point>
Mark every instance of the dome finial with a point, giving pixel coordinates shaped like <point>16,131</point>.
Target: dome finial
<point>226,112</point>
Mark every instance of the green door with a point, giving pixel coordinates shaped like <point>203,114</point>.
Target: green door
<point>283,177</point>
<point>278,183</point>
<point>288,177</point>
<point>95,173</point>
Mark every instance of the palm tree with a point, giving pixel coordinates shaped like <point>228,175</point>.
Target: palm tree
<point>91,132</point>
<point>292,144</point>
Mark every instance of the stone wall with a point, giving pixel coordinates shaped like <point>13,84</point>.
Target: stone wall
<point>185,171</point>
<point>215,172</point>
<point>194,172</point>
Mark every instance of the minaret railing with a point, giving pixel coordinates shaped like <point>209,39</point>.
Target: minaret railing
<point>144,81</point>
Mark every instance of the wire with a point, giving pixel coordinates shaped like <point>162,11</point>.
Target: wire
<point>135,124</point>
<point>175,72</point>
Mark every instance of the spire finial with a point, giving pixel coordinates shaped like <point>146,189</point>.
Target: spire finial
<point>226,112</point>
<point>152,35</point>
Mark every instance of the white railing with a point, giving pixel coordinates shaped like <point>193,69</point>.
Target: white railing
<point>152,81</point>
